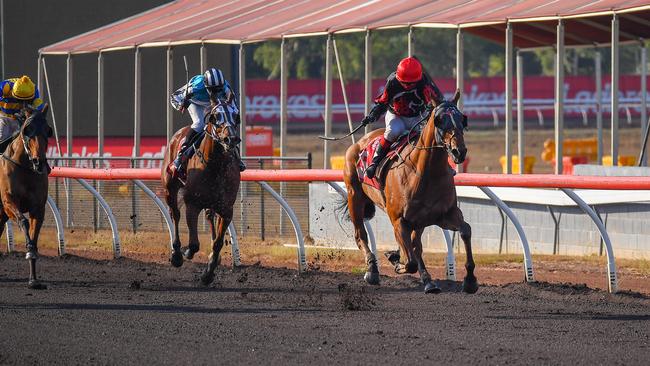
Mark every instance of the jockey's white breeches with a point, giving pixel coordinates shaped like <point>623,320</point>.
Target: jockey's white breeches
<point>397,125</point>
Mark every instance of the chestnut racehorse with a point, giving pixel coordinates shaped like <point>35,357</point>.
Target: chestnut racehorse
<point>23,184</point>
<point>212,184</point>
<point>418,191</point>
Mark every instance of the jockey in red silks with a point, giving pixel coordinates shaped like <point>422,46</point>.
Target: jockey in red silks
<point>405,99</point>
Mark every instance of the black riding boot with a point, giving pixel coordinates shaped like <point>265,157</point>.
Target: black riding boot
<point>177,167</point>
<point>382,149</point>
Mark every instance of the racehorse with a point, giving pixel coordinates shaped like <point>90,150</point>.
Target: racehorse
<point>418,191</point>
<point>23,184</point>
<point>212,184</point>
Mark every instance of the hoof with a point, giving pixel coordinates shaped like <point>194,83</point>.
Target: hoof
<point>36,285</point>
<point>189,252</point>
<point>431,288</point>
<point>207,278</point>
<point>176,259</point>
<point>411,267</point>
<point>470,285</point>
<point>31,255</point>
<point>372,278</point>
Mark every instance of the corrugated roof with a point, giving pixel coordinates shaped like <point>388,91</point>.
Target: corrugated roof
<point>237,21</point>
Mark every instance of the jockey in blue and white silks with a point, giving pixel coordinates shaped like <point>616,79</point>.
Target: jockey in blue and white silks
<point>197,97</point>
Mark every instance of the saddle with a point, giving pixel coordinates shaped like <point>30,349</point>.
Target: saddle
<point>366,155</point>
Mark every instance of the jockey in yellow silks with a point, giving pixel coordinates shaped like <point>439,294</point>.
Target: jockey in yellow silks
<point>17,94</point>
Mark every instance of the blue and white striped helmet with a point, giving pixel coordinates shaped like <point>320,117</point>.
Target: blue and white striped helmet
<point>213,78</point>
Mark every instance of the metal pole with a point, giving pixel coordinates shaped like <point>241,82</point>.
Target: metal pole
<point>137,110</point>
<point>345,95</point>
<point>410,42</point>
<point>39,76</point>
<point>614,90</point>
<point>559,98</point>
<point>2,37</point>
<point>204,57</point>
<point>520,111</point>
<point>368,77</point>
<point>328,101</point>
<point>283,118</point>
<point>460,76</point>
<point>643,161</point>
<point>68,137</point>
<point>508,106</point>
<point>599,105</point>
<point>242,131</point>
<point>100,105</point>
<point>170,90</point>
<point>460,67</point>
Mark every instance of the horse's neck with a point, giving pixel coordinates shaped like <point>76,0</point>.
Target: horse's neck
<point>16,151</point>
<point>212,154</point>
<point>427,159</point>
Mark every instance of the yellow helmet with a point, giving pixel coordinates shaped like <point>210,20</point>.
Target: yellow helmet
<point>24,88</point>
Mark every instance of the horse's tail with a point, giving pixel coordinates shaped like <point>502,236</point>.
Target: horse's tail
<point>343,212</point>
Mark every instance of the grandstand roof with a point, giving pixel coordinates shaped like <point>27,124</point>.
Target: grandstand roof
<point>241,21</point>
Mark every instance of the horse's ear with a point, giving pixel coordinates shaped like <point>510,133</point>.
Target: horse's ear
<point>456,96</point>
<point>45,108</point>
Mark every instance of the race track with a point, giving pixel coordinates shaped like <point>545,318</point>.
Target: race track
<point>129,312</point>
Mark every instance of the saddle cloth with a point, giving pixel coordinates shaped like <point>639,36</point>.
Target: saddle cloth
<point>365,159</point>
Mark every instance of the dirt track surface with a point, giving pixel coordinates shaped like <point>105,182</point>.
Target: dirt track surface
<point>129,312</point>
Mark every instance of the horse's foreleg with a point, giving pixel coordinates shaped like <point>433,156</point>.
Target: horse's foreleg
<point>356,207</point>
<point>192,217</point>
<point>403,236</point>
<point>3,221</point>
<point>429,286</point>
<point>222,225</point>
<point>34,225</point>
<point>454,221</point>
<point>32,250</point>
<point>171,197</point>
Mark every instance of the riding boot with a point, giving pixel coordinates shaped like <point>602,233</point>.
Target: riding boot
<point>177,167</point>
<point>380,153</point>
<point>237,155</point>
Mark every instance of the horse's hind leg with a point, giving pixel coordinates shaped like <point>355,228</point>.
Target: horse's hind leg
<point>453,220</point>
<point>222,225</point>
<point>429,286</point>
<point>171,197</point>
<point>192,217</point>
<point>356,205</point>
<point>403,233</point>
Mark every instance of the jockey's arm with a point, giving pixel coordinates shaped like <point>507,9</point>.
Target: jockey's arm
<point>432,92</point>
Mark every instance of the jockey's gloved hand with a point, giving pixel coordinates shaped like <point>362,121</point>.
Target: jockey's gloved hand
<point>367,120</point>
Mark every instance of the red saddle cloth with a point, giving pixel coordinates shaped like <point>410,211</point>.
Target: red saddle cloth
<point>365,159</point>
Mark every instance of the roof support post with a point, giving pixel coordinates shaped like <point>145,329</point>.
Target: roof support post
<point>614,89</point>
<point>599,104</point>
<point>2,39</point>
<point>460,67</point>
<point>170,89</point>
<point>460,76</point>
<point>328,101</point>
<point>559,97</point>
<point>410,42</point>
<point>508,105</point>
<point>368,77</point>
<point>137,109</point>
<point>283,99</point>
<point>520,111</point>
<point>100,105</point>
<point>242,98</point>
<point>68,136</point>
<point>643,161</point>
<point>39,75</point>
<point>204,57</point>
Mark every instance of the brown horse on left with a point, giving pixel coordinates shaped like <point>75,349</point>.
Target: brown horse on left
<point>212,184</point>
<point>23,184</point>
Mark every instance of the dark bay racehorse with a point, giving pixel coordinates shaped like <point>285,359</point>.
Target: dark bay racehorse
<point>23,184</point>
<point>418,191</point>
<point>212,184</point>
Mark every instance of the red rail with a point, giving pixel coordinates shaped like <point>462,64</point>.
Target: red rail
<point>326,175</point>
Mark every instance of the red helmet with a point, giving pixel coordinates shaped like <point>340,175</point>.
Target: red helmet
<point>409,70</point>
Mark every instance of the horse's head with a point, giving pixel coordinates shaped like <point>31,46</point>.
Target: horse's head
<point>450,123</point>
<point>34,134</point>
<point>221,127</point>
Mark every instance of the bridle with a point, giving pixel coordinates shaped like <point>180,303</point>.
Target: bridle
<point>36,165</point>
<point>218,116</point>
<point>444,108</point>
